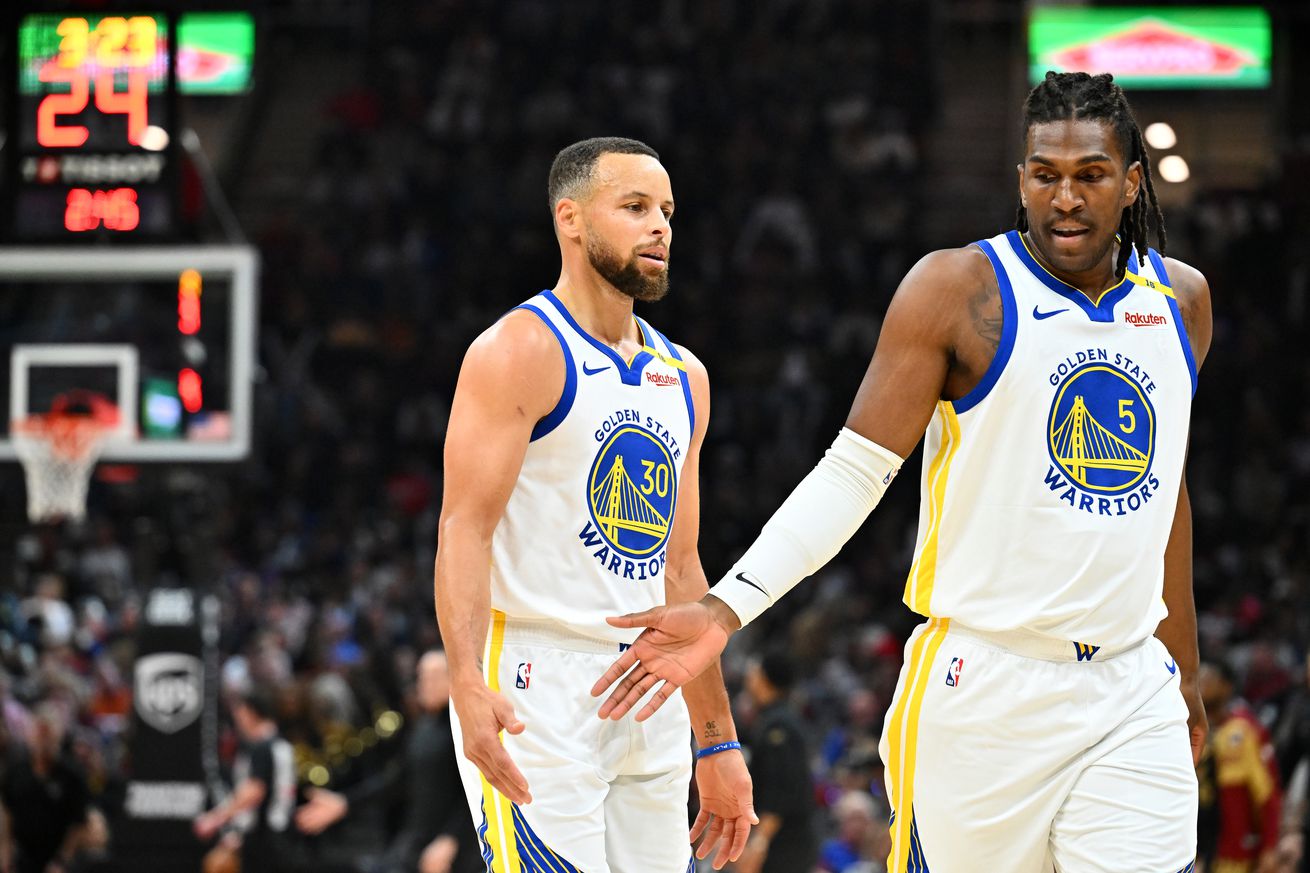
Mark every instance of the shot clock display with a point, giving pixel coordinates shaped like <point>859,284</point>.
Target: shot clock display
<point>93,101</point>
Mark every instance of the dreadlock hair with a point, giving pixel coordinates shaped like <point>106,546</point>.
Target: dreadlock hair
<point>1077,96</point>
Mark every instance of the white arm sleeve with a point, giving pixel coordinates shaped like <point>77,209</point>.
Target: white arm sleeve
<point>813,523</point>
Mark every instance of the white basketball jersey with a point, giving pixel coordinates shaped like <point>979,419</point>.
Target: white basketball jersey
<point>1049,490</point>
<point>586,529</point>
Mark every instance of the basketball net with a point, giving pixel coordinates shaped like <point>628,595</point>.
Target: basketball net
<point>58,450</point>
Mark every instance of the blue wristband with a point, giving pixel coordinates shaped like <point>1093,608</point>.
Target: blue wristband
<point>714,750</point>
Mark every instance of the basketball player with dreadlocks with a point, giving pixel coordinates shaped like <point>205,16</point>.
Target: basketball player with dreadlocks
<point>1045,708</point>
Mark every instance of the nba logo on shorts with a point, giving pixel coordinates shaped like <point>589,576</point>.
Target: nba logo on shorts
<point>953,672</point>
<point>524,677</point>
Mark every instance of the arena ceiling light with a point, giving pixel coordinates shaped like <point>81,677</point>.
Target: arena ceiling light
<point>155,139</point>
<point>1160,136</point>
<point>1173,168</point>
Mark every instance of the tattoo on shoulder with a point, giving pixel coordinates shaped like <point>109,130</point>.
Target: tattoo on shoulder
<point>985,312</point>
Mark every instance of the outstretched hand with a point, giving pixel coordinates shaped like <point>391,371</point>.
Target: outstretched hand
<point>727,809</point>
<point>322,810</point>
<point>678,643</point>
<point>483,714</point>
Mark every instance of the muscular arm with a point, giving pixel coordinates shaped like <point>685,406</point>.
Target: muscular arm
<point>684,577</point>
<point>246,796</point>
<point>938,338</point>
<point>722,780</point>
<point>1178,630</point>
<point>512,376</point>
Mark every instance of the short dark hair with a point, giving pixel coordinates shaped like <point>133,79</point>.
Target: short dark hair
<point>572,169</point>
<point>1064,96</point>
<point>1224,670</point>
<point>259,701</point>
<point>779,668</point>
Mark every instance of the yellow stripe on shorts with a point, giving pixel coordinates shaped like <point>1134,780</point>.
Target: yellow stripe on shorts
<point>496,806</point>
<point>918,589</point>
<point>903,738</point>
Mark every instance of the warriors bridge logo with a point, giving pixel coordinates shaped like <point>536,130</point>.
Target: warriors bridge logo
<point>631,492</point>
<point>1101,437</point>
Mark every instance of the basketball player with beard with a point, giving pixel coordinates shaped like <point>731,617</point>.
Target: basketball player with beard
<point>571,493</point>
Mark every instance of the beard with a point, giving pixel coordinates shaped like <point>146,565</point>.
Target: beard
<point>626,276</point>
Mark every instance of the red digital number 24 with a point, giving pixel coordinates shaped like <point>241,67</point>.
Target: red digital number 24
<point>132,103</point>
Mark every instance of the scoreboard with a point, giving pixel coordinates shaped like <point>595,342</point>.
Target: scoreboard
<point>92,105</point>
<point>104,286</point>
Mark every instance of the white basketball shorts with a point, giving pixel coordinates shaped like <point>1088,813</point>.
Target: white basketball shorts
<point>607,797</point>
<point>1025,754</point>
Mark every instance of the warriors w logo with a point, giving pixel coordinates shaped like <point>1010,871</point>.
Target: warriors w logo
<point>1085,651</point>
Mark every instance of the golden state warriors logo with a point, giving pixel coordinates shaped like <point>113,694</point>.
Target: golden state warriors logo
<point>1101,437</point>
<point>632,490</point>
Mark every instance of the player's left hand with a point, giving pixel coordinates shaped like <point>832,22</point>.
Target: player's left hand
<point>1197,724</point>
<point>727,809</point>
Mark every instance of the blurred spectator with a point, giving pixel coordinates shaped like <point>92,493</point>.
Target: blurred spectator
<point>45,801</point>
<point>17,720</point>
<point>1246,797</point>
<point>785,840</point>
<point>263,796</point>
<point>436,835</point>
<point>863,841</point>
<point>1292,741</point>
<point>48,611</point>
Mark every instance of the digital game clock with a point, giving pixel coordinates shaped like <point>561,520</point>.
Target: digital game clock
<point>92,106</point>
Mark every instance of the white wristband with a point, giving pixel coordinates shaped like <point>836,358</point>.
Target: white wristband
<point>822,513</point>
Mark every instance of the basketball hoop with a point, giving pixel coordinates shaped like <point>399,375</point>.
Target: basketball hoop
<point>58,450</point>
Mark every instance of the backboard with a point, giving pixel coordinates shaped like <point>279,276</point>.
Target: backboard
<point>166,333</point>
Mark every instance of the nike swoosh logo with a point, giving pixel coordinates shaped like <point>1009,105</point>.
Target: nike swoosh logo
<point>1172,667</point>
<point>591,372</point>
<point>754,584</point>
<point>1040,315</point>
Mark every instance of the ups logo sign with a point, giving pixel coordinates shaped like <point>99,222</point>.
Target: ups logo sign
<point>169,690</point>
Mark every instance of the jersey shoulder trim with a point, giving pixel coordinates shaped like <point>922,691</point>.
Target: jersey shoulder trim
<point>678,364</point>
<point>1157,263</point>
<point>556,416</point>
<point>1009,328</point>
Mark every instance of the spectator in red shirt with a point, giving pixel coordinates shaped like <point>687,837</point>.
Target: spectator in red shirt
<point>1240,761</point>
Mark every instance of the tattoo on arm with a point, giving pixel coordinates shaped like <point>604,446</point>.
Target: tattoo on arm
<point>1187,311</point>
<point>712,730</point>
<point>986,315</point>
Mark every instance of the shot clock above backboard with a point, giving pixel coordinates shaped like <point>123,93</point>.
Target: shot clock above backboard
<point>91,113</point>
<point>93,117</point>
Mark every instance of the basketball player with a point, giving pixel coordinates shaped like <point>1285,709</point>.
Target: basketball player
<point>571,492</point>
<point>1042,715</point>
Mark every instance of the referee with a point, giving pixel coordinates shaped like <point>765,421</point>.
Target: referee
<point>785,839</point>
